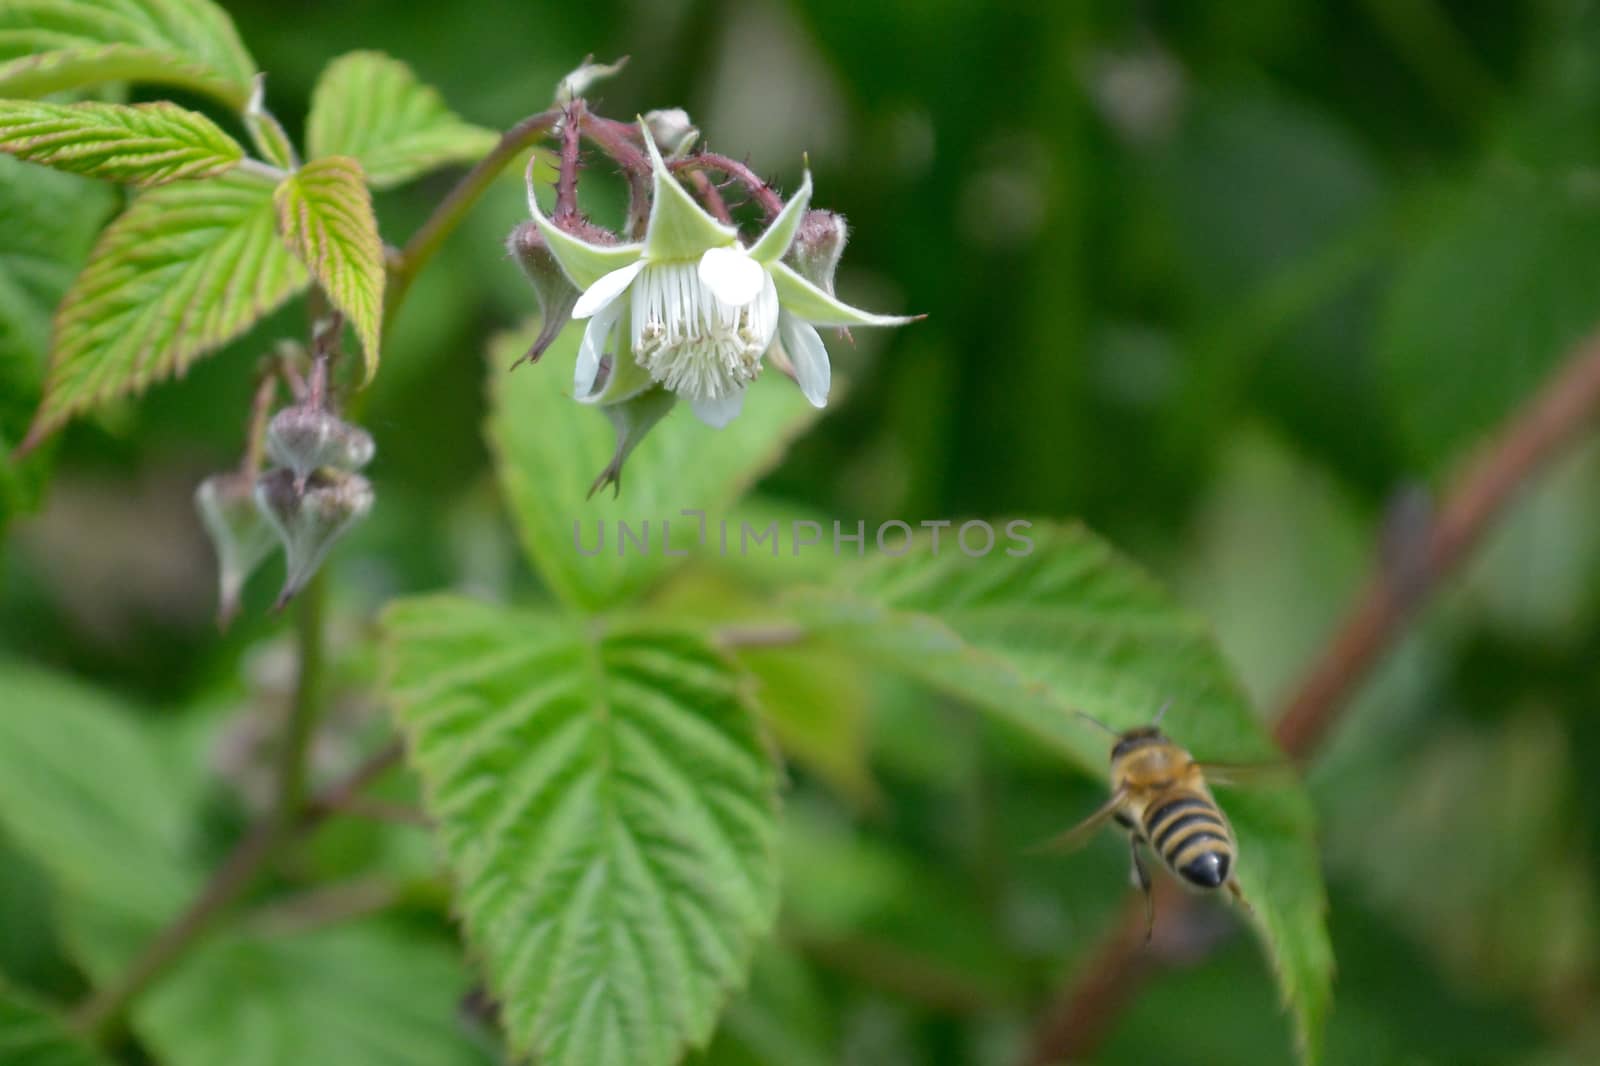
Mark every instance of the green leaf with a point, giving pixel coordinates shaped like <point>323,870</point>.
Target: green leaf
<point>91,797</point>
<point>51,223</point>
<point>325,216</point>
<point>366,993</point>
<point>372,107</point>
<point>142,144</point>
<point>549,448</point>
<point>184,270</point>
<point>107,810</point>
<point>32,1035</point>
<point>608,810</point>
<point>47,46</point>
<point>815,699</point>
<point>1069,625</point>
<point>1486,306</point>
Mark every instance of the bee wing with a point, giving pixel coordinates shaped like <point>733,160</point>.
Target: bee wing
<point>1246,773</point>
<point>1079,835</point>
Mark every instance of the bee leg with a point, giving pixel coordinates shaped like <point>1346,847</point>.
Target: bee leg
<point>1141,877</point>
<point>1238,895</point>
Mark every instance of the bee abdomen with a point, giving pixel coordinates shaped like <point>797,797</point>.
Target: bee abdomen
<point>1190,835</point>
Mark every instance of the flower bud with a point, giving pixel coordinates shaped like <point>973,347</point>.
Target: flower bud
<point>632,419</point>
<point>239,534</point>
<point>672,131</point>
<point>575,84</point>
<point>817,246</point>
<point>305,439</point>
<point>556,293</point>
<point>309,520</point>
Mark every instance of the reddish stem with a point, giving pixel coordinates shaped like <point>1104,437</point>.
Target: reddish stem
<point>763,193</point>
<point>616,139</point>
<point>567,180</point>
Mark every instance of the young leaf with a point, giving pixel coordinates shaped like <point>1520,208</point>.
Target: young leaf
<point>325,216</point>
<point>47,46</point>
<point>266,132</point>
<point>184,270</point>
<point>1068,625</point>
<point>372,107</point>
<point>608,811</point>
<point>142,144</point>
<point>32,1035</point>
<point>549,448</point>
<point>51,223</point>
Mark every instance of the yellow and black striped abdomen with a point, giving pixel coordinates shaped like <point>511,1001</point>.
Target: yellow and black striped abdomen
<point>1189,833</point>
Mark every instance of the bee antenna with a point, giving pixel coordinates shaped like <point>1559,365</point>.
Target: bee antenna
<point>1092,720</point>
<point>1161,713</point>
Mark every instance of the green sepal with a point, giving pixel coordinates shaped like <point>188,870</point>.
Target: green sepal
<point>679,229</point>
<point>772,244</point>
<point>627,379</point>
<point>583,262</point>
<point>804,300</point>
<point>632,419</point>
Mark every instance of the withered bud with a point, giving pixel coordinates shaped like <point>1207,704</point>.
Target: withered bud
<point>672,131</point>
<point>818,244</point>
<point>310,519</point>
<point>305,439</point>
<point>556,293</point>
<point>575,84</point>
<point>239,534</point>
<point>632,419</point>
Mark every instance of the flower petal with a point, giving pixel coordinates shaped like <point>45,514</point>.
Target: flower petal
<point>719,412</point>
<point>679,229</point>
<point>590,349</point>
<point>772,244</point>
<point>800,297</point>
<point>603,292</point>
<point>583,262</point>
<point>731,275</point>
<point>810,359</point>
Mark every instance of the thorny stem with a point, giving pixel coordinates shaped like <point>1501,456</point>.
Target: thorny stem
<point>762,192</point>
<point>425,242</point>
<point>712,197</point>
<point>1537,432</point>
<point>98,1015</point>
<point>571,142</point>
<point>615,139</point>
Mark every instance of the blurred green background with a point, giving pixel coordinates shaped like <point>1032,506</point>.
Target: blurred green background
<point>1224,280</point>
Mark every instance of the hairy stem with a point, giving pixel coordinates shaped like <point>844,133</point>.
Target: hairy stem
<point>423,245</point>
<point>1541,429</point>
<point>310,634</point>
<point>615,139</point>
<point>711,196</point>
<point>103,1011</point>
<point>762,192</point>
<point>567,177</point>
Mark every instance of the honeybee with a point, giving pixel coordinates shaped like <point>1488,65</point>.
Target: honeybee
<point>1159,794</point>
